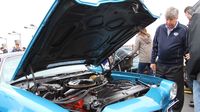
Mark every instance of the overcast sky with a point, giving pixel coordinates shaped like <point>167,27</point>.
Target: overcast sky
<point>15,14</point>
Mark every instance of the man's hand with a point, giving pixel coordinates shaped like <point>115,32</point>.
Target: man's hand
<point>153,67</point>
<point>187,56</point>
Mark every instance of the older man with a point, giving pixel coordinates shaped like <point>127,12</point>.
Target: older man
<point>169,46</point>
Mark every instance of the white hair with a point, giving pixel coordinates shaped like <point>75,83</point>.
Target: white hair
<point>171,13</point>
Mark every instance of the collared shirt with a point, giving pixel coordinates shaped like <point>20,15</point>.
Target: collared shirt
<point>170,30</point>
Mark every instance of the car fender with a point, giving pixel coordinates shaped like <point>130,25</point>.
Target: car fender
<point>14,99</point>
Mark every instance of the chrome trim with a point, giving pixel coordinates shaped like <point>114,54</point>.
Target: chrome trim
<point>171,105</point>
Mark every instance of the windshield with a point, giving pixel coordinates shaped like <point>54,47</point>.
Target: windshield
<point>71,71</point>
<point>9,66</point>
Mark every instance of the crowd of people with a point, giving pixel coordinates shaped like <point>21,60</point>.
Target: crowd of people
<point>173,46</point>
<point>16,48</point>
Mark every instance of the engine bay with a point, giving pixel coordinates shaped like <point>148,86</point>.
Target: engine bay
<point>87,92</point>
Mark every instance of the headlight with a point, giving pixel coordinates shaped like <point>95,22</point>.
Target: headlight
<point>173,91</point>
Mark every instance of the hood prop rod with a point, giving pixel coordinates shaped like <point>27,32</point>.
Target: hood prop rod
<point>34,81</point>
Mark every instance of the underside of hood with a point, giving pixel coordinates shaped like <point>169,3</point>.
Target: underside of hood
<point>73,31</point>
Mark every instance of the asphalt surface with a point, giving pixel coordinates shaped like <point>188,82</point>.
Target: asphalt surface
<point>186,107</point>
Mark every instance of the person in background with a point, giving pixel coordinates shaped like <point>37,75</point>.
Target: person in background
<point>193,64</point>
<point>143,45</point>
<point>188,84</point>
<point>23,48</point>
<point>169,46</point>
<point>4,50</point>
<point>188,13</point>
<point>16,48</point>
<point>1,52</point>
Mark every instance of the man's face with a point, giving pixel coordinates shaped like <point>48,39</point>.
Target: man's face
<point>188,15</point>
<point>17,45</point>
<point>171,23</point>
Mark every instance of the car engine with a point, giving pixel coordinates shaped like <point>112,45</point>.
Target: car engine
<point>88,93</point>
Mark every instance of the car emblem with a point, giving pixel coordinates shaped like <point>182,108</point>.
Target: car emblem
<point>176,33</point>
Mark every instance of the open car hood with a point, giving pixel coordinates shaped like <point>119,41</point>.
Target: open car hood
<point>74,33</point>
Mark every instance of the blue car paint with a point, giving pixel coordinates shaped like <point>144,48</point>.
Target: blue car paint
<point>141,104</point>
<point>152,101</point>
<point>96,2</point>
<point>155,99</point>
<point>96,69</point>
<point>14,99</point>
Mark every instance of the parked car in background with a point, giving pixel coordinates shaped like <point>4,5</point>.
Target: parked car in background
<point>61,69</point>
<point>8,64</point>
<point>125,60</point>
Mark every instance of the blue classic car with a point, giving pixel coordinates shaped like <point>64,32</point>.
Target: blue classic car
<point>62,69</point>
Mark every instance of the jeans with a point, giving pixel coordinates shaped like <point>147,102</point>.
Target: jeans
<point>144,68</point>
<point>196,95</point>
<point>188,82</point>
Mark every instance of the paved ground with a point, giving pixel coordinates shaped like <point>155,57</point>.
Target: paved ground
<point>186,107</point>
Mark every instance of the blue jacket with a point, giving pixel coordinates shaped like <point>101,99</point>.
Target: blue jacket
<point>170,48</point>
